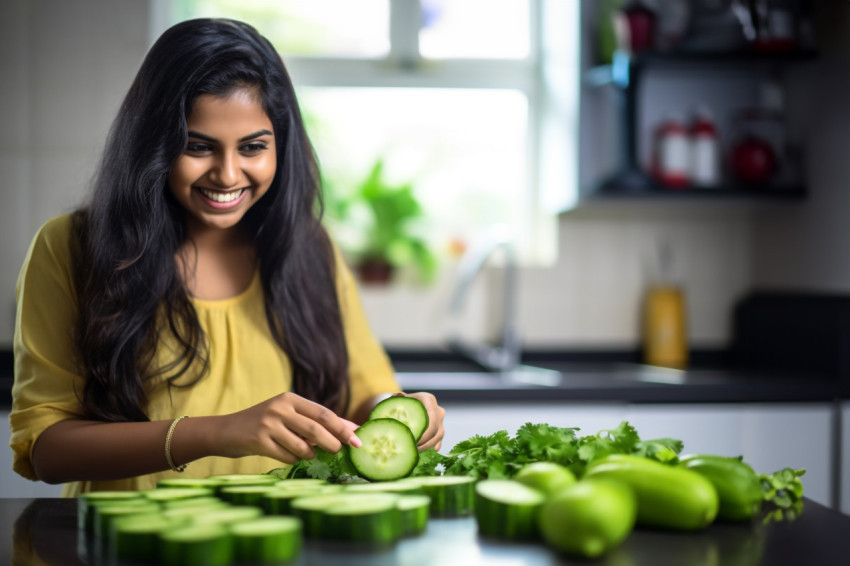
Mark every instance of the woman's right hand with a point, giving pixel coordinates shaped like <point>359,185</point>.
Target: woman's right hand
<point>286,427</point>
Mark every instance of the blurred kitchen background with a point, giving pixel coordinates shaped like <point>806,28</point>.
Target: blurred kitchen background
<point>611,153</point>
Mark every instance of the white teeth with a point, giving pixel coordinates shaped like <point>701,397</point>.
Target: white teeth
<point>222,197</point>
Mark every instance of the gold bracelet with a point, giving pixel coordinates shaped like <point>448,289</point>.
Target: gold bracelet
<point>168,444</point>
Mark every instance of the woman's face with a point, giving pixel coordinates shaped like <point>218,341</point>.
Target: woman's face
<point>229,161</point>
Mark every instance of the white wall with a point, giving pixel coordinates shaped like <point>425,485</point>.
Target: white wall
<point>65,67</point>
<point>68,64</point>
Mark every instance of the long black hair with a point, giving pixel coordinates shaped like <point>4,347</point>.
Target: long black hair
<point>129,291</point>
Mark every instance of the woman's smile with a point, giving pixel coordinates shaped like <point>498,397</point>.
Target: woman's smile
<point>229,161</point>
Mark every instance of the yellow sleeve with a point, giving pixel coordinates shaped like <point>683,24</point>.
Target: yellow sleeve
<point>45,375</point>
<point>370,370</point>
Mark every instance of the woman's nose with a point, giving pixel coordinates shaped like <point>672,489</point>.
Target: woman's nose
<point>225,171</point>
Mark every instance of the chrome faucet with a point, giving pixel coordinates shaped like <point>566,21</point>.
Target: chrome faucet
<point>505,355</point>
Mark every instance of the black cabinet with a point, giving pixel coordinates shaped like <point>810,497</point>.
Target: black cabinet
<point>626,76</point>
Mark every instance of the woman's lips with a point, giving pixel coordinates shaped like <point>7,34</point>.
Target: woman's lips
<point>222,200</point>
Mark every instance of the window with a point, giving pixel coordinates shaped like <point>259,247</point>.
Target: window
<point>472,102</point>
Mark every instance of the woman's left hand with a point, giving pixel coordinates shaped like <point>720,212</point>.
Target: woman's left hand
<point>433,435</point>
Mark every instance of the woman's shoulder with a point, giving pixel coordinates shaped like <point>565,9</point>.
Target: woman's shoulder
<point>55,238</point>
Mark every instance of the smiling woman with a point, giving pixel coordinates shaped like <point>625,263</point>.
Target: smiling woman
<point>229,162</point>
<point>197,281</point>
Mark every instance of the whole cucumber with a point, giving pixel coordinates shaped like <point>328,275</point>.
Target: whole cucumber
<point>668,497</point>
<point>738,487</point>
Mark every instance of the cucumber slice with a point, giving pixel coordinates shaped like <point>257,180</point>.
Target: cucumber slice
<point>300,483</point>
<point>176,493</point>
<point>245,494</point>
<point>196,545</point>
<point>267,540</point>
<point>230,480</point>
<point>408,410</point>
<point>414,510</point>
<point>104,515</point>
<point>227,515</point>
<point>277,501</point>
<point>193,502</point>
<point>208,483</point>
<point>192,511</point>
<point>507,509</point>
<point>388,452</point>
<point>135,537</point>
<point>311,510</point>
<point>402,486</point>
<point>86,503</point>
<point>451,496</point>
<point>372,519</point>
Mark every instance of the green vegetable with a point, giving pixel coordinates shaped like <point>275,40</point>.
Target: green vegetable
<point>451,496</point>
<point>196,545</point>
<point>388,452</point>
<point>738,487</point>
<point>546,477</point>
<point>507,509</point>
<point>134,538</point>
<point>668,497</point>
<point>266,540</point>
<point>588,518</point>
<point>372,519</point>
<point>407,410</point>
<point>414,511</point>
<point>783,493</point>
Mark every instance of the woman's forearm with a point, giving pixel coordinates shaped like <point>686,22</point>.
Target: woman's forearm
<point>77,450</point>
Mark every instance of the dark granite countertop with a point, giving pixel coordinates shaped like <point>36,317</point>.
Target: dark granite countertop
<point>44,531</point>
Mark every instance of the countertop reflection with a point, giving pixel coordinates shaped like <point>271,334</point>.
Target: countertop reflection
<point>44,531</point>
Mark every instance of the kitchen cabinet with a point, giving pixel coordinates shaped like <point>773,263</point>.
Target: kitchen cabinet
<point>769,436</point>
<point>649,87</point>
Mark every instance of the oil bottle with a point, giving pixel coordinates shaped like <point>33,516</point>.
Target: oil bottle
<point>665,341</point>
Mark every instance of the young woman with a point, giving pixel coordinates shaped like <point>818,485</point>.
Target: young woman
<point>198,282</point>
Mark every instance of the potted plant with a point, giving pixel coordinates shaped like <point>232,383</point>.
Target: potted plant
<point>390,237</point>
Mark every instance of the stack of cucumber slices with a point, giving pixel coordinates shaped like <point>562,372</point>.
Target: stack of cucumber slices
<point>263,519</point>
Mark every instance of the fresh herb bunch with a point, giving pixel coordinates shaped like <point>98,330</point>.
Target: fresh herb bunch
<point>782,493</point>
<point>500,456</point>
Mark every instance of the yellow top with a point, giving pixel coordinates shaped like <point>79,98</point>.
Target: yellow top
<point>246,366</point>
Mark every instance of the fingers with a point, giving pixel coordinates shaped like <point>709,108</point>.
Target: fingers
<point>433,435</point>
<point>315,425</point>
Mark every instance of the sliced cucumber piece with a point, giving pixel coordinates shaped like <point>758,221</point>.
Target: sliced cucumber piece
<point>229,480</point>
<point>407,410</point>
<point>192,511</point>
<point>451,496</point>
<point>372,519</point>
<point>193,502</point>
<point>300,483</point>
<point>196,545</point>
<point>277,501</point>
<point>208,483</point>
<point>135,537</point>
<point>245,494</point>
<point>104,515</point>
<point>86,503</point>
<point>507,509</point>
<point>311,510</point>
<point>388,452</point>
<point>227,515</point>
<point>402,486</point>
<point>176,493</point>
<point>267,540</point>
<point>414,510</point>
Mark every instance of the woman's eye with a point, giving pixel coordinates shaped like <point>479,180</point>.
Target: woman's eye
<point>197,147</point>
<point>254,147</point>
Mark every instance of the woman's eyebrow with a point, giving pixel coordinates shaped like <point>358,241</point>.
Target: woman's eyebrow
<point>256,134</point>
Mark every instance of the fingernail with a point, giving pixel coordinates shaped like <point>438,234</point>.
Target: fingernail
<point>354,441</point>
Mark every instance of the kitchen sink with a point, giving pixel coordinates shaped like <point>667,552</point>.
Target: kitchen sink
<point>460,374</point>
